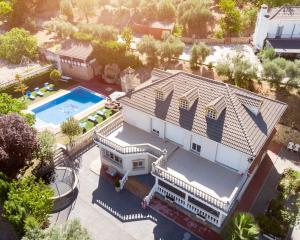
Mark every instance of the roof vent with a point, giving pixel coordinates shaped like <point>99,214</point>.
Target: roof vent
<point>162,91</point>
<point>253,104</point>
<point>214,109</point>
<point>187,99</point>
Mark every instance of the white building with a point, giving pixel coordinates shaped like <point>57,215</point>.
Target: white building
<point>278,28</point>
<point>201,139</point>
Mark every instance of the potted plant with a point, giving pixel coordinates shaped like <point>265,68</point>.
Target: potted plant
<point>117,186</point>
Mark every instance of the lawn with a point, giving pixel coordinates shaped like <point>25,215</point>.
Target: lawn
<point>89,125</point>
<point>56,88</point>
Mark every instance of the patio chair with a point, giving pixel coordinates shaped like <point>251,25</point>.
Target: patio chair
<point>93,119</point>
<point>29,95</point>
<point>65,79</point>
<point>38,92</point>
<point>290,146</point>
<point>47,86</point>
<point>101,113</point>
<point>83,126</point>
<point>297,148</point>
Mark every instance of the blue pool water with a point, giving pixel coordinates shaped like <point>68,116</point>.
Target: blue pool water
<point>65,106</point>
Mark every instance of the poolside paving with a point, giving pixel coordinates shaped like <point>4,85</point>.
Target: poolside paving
<point>109,215</point>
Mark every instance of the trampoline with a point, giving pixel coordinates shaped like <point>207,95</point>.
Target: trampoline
<point>64,181</point>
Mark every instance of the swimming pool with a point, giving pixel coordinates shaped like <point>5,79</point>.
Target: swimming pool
<point>65,106</point>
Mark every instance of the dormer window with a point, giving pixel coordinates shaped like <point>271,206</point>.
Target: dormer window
<point>159,95</point>
<point>211,114</point>
<point>183,104</point>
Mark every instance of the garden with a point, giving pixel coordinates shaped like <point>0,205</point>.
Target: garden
<point>283,210</point>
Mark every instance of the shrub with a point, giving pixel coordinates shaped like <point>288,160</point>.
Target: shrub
<point>117,184</point>
<point>4,187</point>
<point>46,146</point>
<point>55,75</point>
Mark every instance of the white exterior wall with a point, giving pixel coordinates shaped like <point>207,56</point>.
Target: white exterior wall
<point>232,158</point>
<point>265,26</point>
<point>210,150</point>
<point>136,118</point>
<point>208,147</point>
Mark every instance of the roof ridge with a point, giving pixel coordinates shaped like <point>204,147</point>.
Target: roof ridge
<point>239,118</point>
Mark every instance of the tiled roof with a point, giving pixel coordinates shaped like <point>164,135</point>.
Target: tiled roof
<point>76,50</point>
<point>218,104</point>
<point>285,12</point>
<point>236,127</point>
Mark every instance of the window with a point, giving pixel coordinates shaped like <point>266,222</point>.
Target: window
<point>138,164</point>
<point>155,131</point>
<point>113,157</point>
<point>196,147</point>
<point>183,104</point>
<point>211,114</point>
<point>159,95</point>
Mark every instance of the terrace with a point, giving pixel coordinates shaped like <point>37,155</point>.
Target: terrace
<point>196,175</point>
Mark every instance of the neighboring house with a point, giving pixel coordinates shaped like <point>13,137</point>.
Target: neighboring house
<point>74,59</point>
<point>278,28</point>
<point>201,139</point>
<point>156,28</point>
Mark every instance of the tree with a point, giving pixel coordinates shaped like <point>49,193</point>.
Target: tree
<point>17,143</point>
<point>8,104</point>
<point>27,199</point>
<point>267,54</point>
<point>21,87</point>
<point>4,187</point>
<point>60,26</point>
<point>237,68</point>
<point>199,52</point>
<point>273,72</point>
<point>66,8</point>
<point>103,32</point>
<point>148,10</point>
<point>87,7</point>
<point>5,9</point>
<point>248,17</point>
<point>71,128</point>
<point>17,43</point>
<point>149,46</point>
<point>171,47</point>
<point>194,15</point>
<point>127,37</point>
<point>55,75</point>
<point>72,230</point>
<point>46,146</point>
<point>242,226</point>
<point>231,22</point>
<point>166,10</point>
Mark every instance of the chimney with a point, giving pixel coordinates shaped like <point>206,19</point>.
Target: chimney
<point>127,79</point>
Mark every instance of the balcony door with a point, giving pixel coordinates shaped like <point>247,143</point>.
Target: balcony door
<point>279,32</point>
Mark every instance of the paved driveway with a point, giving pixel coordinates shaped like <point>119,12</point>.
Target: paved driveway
<point>115,216</point>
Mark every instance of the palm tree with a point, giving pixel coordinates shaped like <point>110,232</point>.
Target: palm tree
<point>241,227</point>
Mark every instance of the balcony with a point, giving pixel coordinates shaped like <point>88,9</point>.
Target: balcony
<point>283,36</point>
<point>199,177</point>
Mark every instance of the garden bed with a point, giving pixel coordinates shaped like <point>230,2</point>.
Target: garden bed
<point>282,210</point>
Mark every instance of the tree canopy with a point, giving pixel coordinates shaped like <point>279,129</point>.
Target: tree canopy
<point>166,10</point>
<point>194,15</point>
<point>27,199</point>
<point>198,54</point>
<point>149,46</point>
<point>17,43</point>
<point>171,47</point>
<point>86,7</point>
<point>15,133</point>
<point>241,226</point>
<point>70,128</point>
<point>72,230</point>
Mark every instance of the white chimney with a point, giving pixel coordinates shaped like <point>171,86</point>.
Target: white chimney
<point>261,27</point>
<point>127,79</point>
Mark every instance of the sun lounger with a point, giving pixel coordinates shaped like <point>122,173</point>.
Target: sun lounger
<point>38,92</point>
<point>290,146</point>
<point>297,148</point>
<point>65,79</point>
<point>101,113</point>
<point>29,95</point>
<point>93,119</point>
<point>48,88</point>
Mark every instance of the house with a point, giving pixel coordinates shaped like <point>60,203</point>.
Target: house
<point>73,59</point>
<point>201,139</point>
<point>156,28</point>
<point>278,28</point>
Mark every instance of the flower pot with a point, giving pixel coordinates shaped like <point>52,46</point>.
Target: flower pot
<point>118,189</point>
